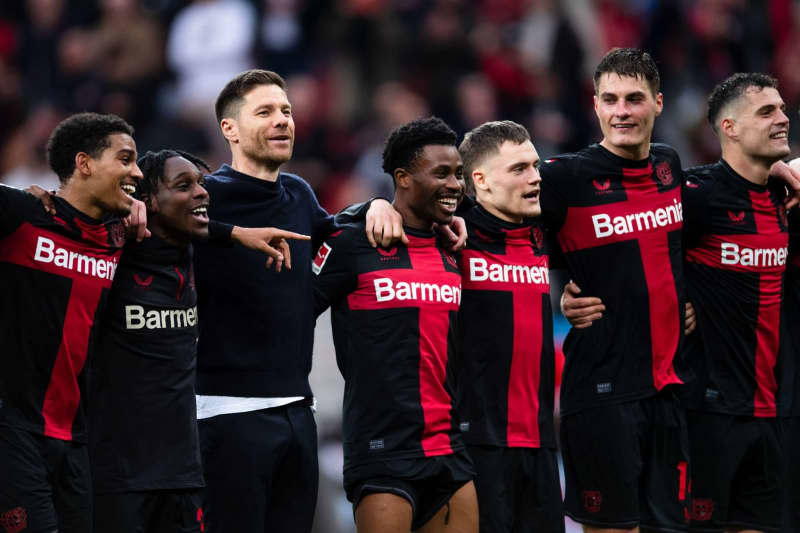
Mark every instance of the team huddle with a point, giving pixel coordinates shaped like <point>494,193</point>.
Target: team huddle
<point>154,375</point>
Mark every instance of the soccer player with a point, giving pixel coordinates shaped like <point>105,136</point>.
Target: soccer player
<point>394,322</point>
<point>615,211</point>
<point>143,443</point>
<point>258,435</point>
<point>736,239</point>
<point>55,273</point>
<point>506,361</point>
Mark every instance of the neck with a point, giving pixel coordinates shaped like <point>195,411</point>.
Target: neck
<point>262,170</point>
<point>159,231</point>
<point>79,199</point>
<point>634,153</point>
<point>499,214</point>
<point>410,218</point>
<point>754,170</point>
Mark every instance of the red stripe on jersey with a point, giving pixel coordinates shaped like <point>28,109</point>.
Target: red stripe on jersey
<point>433,290</point>
<point>527,288</point>
<point>63,394</point>
<point>665,326</point>
<point>769,308</point>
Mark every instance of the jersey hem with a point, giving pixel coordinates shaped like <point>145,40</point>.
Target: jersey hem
<point>398,456</point>
<point>143,487</point>
<point>630,397</point>
<point>79,438</point>
<point>731,412</point>
<point>611,525</point>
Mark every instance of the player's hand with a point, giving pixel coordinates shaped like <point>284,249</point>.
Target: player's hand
<point>384,224</point>
<point>691,319</point>
<point>580,312</point>
<point>271,241</point>
<point>454,235</point>
<point>46,197</point>
<point>790,174</point>
<point>136,221</point>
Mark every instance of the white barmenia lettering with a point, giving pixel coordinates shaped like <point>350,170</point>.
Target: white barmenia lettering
<point>387,290</point>
<point>733,254</point>
<point>481,270</point>
<point>47,252</point>
<point>605,225</point>
<point>137,318</point>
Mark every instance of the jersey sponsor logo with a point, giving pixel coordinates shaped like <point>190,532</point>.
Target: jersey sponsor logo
<point>389,252</point>
<point>136,317</point>
<point>387,290</point>
<point>482,270</point>
<point>733,254</point>
<point>592,500</point>
<point>664,173</point>
<point>47,252</point>
<point>322,256</point>
<point>736,218</point>
<point>702,509</point>
<point>14,520</point>
<point>605,225</point>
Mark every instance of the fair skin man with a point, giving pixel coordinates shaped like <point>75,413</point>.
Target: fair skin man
<point>426,195</point>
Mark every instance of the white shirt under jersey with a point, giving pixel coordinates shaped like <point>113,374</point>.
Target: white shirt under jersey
<point>208,406</point>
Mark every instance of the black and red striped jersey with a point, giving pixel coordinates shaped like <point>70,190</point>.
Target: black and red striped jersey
<point>55,273</point>
<point>142,410</point>
<point>505,371</point>
<point>618,224</point>
<point>736,240</point>
<point>394,318</point>
<point>789,358</point>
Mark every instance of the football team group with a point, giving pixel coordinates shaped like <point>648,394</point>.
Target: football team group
<point>157,327</point>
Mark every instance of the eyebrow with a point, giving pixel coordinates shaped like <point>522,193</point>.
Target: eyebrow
<point>126,151</point>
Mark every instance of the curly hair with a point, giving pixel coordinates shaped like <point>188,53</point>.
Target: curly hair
<point>405,144</point>
<point>152,167</point>
<point>83,132</point>
<point>630,62</point>
<point>733,88</point>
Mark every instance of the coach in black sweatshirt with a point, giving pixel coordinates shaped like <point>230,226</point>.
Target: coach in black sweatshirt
<point>257,433</point>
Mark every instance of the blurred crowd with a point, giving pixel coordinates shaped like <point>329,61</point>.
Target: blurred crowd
<point>358,68</point>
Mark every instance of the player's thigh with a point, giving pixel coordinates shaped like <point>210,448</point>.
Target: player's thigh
<point>26,498</point>
<point>538,503</point>
<point>602,465</point>
<point>791,494</point>
<point>495,486</point>
<point>459,515</point>
<point>177,511</point>
<point>72,487</point>
<point>757,487</point>
<point>383,512</point>
<point>122,512</point>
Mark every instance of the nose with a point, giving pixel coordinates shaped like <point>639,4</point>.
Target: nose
<point>534,177</point>
<point>136,172</point>
<point>782,118</point>
<point>621,108</point>
<point>454,183</point>
<point>200,192</point>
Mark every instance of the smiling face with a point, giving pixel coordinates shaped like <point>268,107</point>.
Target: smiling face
<point>178,209</point>
<point>262,130</point>
<point>507,184</point>
<point>432,189</point>
<point>113,175</point>
<point>757,124</point>
<point>626,108</point>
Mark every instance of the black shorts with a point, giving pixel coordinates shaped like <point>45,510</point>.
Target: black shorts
<point>790,433</point>
<point>45,484</point>
<point>155,511</point>
<point>518,489</point>
<point>261,470</point>
<point>736,463</point>
<point>426,482</point>
<point>627,464</point>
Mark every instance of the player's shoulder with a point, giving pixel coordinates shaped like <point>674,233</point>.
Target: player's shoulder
<point>295,182</point>
<point>350,235</point>
<point>22,203</point>
<point>664,151</point>
<point>702,180</point>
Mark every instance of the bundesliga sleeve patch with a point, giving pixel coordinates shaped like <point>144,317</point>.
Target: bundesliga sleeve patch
<point>322,255</point>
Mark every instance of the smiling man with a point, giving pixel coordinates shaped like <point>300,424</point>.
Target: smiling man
<point>144,375</point>
<point>736,239</point>
<point>615,212</point>
<point>55,275</point>
<point>394,316</point>
<point>506,360</point>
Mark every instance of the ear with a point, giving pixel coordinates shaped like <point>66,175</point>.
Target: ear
<point>479,180</point>
<point>596,102</point>
<point>83,163</point>
<point>659,103</point>
<point>727,126</point>
<point>402,178</point>
<point>230,129</point>
<point>151,202</point>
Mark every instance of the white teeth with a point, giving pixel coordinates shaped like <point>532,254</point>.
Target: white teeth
<point>128,188</point>
<point>450,202</point>
<point>781,135</point>
<point>199,211</point>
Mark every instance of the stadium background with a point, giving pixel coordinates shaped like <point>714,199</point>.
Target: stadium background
<point>358,68</point>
